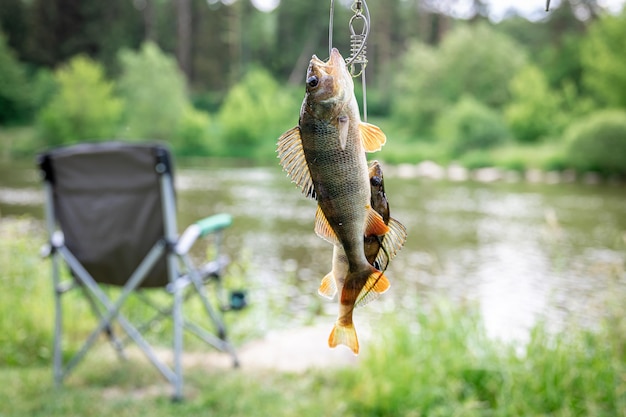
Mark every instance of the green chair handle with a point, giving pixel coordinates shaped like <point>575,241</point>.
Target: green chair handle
<point>214,223</point>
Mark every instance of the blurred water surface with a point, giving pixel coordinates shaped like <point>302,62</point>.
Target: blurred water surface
<point>519,251</point>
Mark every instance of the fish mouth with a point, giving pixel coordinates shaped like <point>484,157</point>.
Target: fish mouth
<point>325,76</point>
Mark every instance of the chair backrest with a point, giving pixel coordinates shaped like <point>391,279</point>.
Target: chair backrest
<point>107,202</point>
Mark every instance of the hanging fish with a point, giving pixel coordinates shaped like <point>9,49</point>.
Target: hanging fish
<point>378,250</point>
<point>325,156</point>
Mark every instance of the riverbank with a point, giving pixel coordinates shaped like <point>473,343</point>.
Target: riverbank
<point>432,363</point>
<point>458,173</point>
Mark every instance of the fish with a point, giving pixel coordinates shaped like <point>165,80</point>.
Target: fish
<point>325,156</point>
<point>378,250</point>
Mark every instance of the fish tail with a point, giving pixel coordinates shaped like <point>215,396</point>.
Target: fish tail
<point>344,335</point>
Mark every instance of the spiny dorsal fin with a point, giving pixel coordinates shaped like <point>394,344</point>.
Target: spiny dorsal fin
<point>375,225</point>
<point>372,137</point>
<point>323,229</point>
<point>328,287</point>
<point>292,159</point>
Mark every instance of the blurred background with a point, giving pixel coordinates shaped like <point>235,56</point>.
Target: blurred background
<point>505,160</point>
<point>485,83</point>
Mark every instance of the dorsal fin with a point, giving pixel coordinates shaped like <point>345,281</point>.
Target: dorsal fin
<point>292,159</point>
<point>372,137</point>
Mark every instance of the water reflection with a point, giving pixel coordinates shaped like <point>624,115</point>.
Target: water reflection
<point>518,250</point>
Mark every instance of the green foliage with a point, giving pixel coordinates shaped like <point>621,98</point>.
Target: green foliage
<point>192,136</point>
<point>598,143</point>
<point>603,59</point>
<point>155,94</point>
<point>255,113</point>
<point>534,111</point>
<point>26,303</point>
<point>470,125</point>
<point>418,100</point>
<point>14,99</point>
<point>84,107</point>
<point>438,363</point>
<point>472,60</point>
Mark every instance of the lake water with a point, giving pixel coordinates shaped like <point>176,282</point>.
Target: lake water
<point>518,251</point>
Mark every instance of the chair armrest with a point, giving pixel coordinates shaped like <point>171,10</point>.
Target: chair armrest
<point>201,228</point>
<point>214,223</point>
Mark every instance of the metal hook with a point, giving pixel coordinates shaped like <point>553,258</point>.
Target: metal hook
<point>358,41</point>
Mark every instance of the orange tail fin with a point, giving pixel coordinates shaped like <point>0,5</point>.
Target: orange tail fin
<point>344,335</point>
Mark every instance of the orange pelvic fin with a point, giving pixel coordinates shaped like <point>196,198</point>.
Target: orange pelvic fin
<point>372,137</point>
<point>375,224</point>
<point>344,335</point>
<point>328,287</point>
<point>323,229</point>
<point>377,283</point>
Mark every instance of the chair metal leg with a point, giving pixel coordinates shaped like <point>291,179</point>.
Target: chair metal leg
<point>57,355</point>
<point>178,345</point>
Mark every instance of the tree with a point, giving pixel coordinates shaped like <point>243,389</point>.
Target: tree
<point>61,29</point>
<point>534,111</point>
<point>14,100</point>
<point>154,91</point>
<point>603,60</point>
<point>472,60</point>
<point>84,107</point>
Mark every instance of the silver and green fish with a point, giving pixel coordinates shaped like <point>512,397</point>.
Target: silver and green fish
<point>325,156</point>
<point>379,250</point>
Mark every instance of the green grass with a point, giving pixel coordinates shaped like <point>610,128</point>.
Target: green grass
<point>437,361</point>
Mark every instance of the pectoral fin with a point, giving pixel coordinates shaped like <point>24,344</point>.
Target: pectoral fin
<point>372,137</point>
<point>344,124</point>
<point>292,159</point>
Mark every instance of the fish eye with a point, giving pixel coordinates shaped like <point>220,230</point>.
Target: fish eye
<point>312,81</point>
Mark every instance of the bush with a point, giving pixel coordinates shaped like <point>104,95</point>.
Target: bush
<point>472,59</point>
<point>598,143</point>
<point>254,114</point>
<point>470,125</point>
<point>84,107</point>
<point>534,111</point>
<point>602,56</point>
<point>155,94</point>
<point>192,136</point>
<point>15,103</point>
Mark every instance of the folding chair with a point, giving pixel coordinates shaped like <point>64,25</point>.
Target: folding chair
<point>111,217</point>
